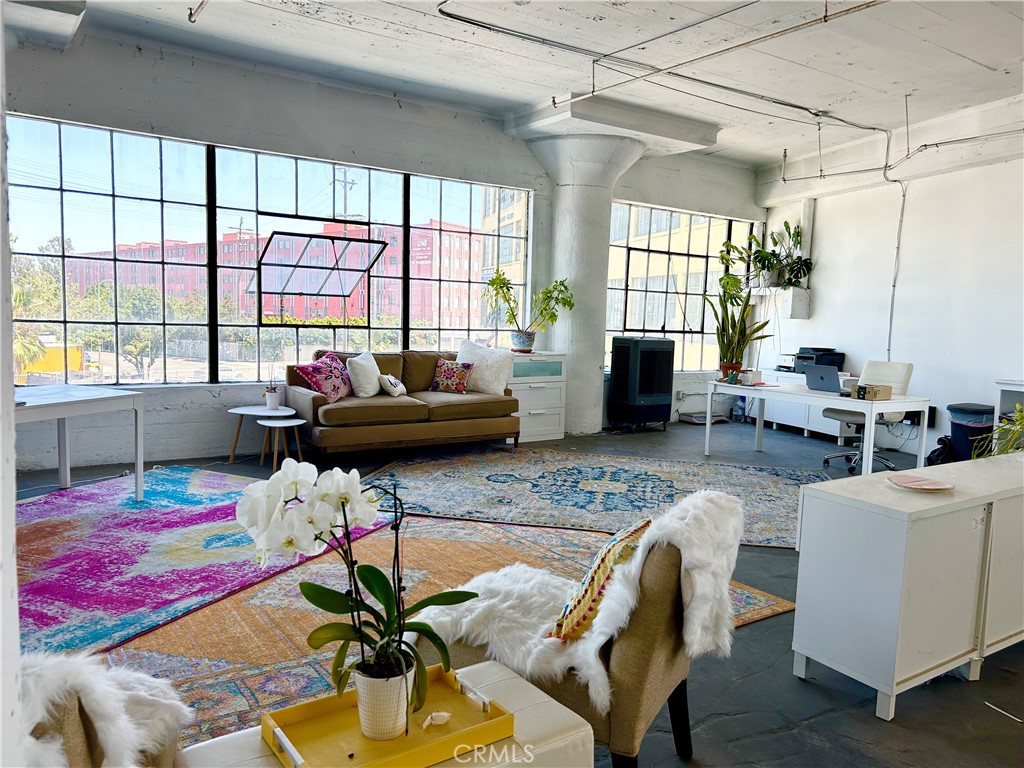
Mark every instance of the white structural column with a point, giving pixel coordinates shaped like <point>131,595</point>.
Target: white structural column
<point>583,171</point>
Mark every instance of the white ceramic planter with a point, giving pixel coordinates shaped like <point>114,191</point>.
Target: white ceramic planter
<point>273,400</point>
<point>383,704</point>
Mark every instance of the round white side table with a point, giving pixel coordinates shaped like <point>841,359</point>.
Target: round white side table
<point>280,426</point>
<point>255,410</point>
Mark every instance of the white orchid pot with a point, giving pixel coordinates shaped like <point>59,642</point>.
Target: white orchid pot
<point>383,704</point>
<point>273,400</point>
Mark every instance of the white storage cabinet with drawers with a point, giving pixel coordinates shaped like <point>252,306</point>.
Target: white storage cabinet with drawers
<point>538,382</point>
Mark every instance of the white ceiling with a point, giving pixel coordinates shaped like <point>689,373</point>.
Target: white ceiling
<point>859,67</point>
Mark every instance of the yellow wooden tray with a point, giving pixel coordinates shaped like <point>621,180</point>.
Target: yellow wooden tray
<point>325,732</point>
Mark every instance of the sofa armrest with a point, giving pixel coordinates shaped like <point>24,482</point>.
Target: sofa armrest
<point>306,402</point>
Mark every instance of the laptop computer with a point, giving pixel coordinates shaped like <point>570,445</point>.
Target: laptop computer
<point>824,378</point>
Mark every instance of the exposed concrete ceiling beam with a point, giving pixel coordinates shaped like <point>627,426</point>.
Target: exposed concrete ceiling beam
<point>48,23</point>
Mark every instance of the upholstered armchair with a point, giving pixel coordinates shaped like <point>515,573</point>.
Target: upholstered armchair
<point>680,589</point>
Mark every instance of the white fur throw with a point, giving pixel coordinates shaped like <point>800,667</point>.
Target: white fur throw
<point>518,605</point>
<point>133,713</point>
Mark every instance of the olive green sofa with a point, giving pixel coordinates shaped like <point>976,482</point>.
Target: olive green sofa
<point>420,417</point>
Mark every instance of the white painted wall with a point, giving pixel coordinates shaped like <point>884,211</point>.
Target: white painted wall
<point>959,312</point>
<point>124,86</point>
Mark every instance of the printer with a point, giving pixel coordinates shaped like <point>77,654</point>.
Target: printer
<point>817,356</point>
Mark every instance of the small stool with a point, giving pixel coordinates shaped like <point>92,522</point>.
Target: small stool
<point>277,425</point>
<point>255,410</point>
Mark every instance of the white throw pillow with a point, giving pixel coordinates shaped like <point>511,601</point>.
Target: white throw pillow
<point>365,375</point>
<point>491,367</point>
<point>391,385</point>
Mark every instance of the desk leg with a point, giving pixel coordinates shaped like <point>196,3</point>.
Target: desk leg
<point>234,444</point>
<point>922,437</point>
<point>707,424</point>
<point>869,454</point>
<point>138,453</point>
<point>63,454</point>
<point>759,429</point>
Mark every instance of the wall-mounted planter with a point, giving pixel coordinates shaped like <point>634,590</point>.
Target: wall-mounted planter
<point>792,303</point>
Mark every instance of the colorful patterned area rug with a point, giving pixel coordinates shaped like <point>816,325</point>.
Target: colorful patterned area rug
<point>247,654</point>
<point>96,567</point>
<point>591,491</point>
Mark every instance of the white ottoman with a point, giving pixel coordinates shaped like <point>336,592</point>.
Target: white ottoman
<point>547,735</point>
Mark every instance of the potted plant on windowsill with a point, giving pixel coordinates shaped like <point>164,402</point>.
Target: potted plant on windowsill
<point>500,295</point>
<point>297,512</point>
<point>735,331</point>
<point>782,265</point>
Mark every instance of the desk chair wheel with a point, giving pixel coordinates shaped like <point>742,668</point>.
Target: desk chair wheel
<point>824,462</point>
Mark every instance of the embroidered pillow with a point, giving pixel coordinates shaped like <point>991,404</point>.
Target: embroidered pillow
<point>365,375</point>
<point>391,385</point>
<point>491,367</point>
<point>451,377</point>
<point>328,376</point>
<point>579,612</point>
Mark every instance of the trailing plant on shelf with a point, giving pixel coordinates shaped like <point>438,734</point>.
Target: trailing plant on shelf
<point>296,512</point>
<point>781,265</point>
<point>735,330</point>
<point>501,296</point>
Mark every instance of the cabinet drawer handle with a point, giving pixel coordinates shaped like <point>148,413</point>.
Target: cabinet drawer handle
<point>535,412</point>
<point>538,386</point>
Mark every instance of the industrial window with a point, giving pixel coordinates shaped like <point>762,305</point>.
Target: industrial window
<point>110,234</point>
<point>661,264</point>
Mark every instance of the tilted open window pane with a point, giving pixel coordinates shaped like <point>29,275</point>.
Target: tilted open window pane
<point>316,279</point>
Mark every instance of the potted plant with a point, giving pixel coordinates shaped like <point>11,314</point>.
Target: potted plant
<point>271,395</point>
<point>1006,437</point>
<point>735,331</point>
<point>500,295</point>
<point>296,512</point>
<point>782,265</point>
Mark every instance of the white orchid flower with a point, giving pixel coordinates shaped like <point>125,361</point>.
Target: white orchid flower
<point>260,503</point>
<point>293,535</point>
<point>363,510</point>
<point>294,479</point>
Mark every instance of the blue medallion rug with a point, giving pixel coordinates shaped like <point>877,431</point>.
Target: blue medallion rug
<point>594,492</point>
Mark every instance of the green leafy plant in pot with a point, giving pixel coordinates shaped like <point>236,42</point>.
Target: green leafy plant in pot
<point>735,331</point>
<point>501,296</point>
<point>780,265</point>
<point>298,512</point>
<point>1006,437</point>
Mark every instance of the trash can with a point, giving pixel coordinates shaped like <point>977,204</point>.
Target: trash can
<point>968,422</point>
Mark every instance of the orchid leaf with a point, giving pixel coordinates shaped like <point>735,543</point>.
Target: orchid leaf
<point>328,633</point>
<point>378,585</point>
<point>451,597</point>
<point>426,631</point>
<point>420,683</point>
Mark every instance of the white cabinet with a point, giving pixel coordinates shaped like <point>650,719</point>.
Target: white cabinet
<point>807,418</point>
<point>896,587</point>
<point>538,382</point>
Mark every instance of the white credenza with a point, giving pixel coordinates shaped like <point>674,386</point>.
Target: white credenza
<point>538,382</point>
<point>897,587</point>
<point>805,417</point>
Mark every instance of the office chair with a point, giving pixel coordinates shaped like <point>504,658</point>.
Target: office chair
<point>897,376</point>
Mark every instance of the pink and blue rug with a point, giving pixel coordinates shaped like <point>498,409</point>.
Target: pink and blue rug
<point>96,567</point>
<point>590,491</point>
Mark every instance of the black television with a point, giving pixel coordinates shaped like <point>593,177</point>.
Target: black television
<point>641,381</point>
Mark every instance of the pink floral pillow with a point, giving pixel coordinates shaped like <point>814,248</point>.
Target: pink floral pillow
<point>450,376</point>
<point>328,376</point>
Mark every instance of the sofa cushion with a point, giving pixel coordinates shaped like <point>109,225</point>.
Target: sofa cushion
<point>491,367</point>
<point>449,406</point>
<point>418,368</point>
<point>379,409</point>
<point>389,363</point>
<point>364,373</point>
<point>328,376</point>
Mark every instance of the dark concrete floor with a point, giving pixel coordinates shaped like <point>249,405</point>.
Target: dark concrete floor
<point>749,709</point>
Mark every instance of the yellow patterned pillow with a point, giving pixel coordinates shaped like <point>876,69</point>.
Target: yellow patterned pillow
<point>579,612</point>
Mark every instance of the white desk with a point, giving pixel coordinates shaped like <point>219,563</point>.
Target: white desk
<point>63,401</point>
<point>797,394</point>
